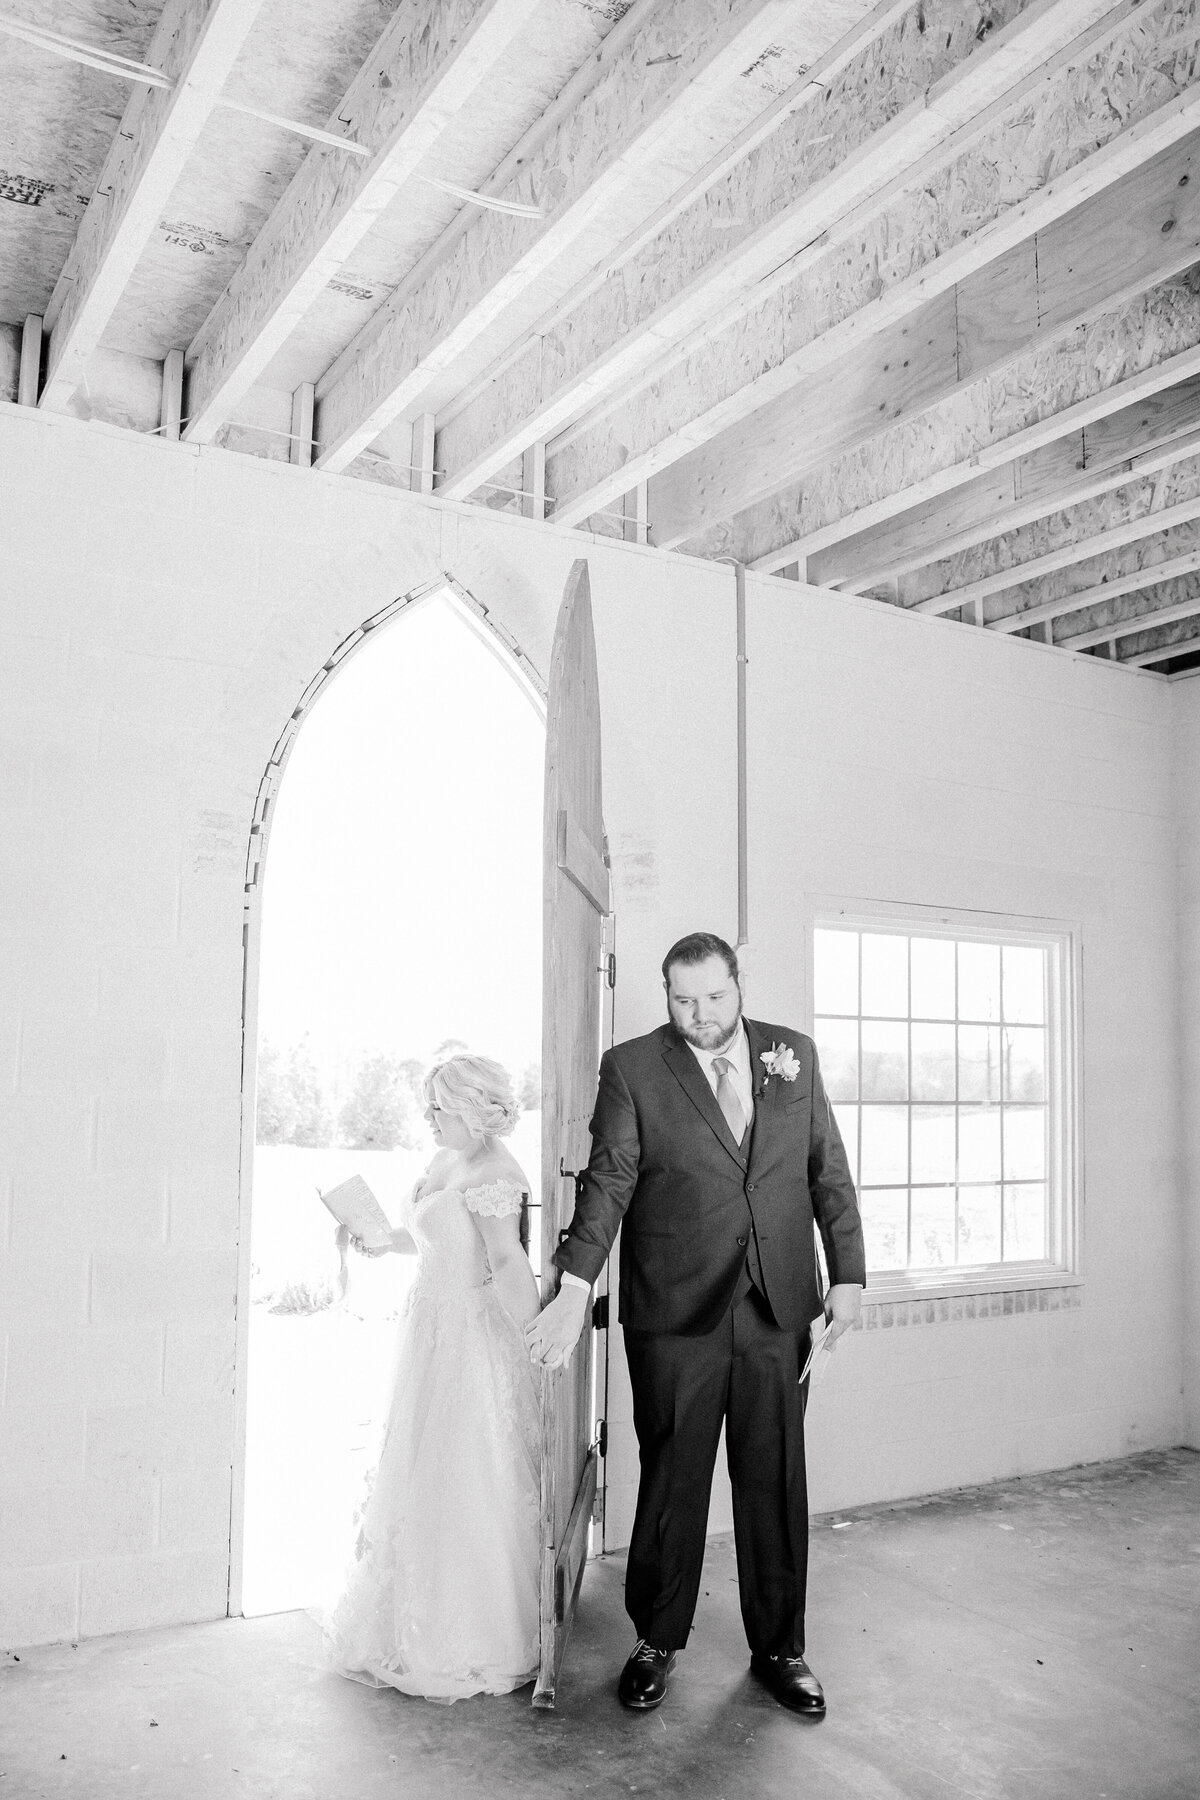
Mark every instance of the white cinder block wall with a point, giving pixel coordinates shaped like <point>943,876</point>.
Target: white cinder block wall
<point>162,610</point>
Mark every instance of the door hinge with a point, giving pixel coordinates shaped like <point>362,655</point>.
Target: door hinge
<point>600,1313</point>
<point>608,968</point>
<point>598,1507</point>
<point>602,1437</point>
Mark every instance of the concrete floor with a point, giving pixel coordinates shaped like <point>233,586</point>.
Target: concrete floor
<point>1038,1639</point>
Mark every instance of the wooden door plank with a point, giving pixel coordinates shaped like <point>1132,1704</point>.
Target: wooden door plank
<point>575,895</point>
<point>582,863</point>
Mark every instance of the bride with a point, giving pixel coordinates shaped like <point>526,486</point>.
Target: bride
<point>442,1597</point>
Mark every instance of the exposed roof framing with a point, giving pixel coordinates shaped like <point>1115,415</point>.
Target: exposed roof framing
<point>644,122</point>
<point>195,45</point>
<point>402,100</point>
<point>906,294</point>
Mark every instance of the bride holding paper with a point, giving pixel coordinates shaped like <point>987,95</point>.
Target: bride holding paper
<point>442,1597</point>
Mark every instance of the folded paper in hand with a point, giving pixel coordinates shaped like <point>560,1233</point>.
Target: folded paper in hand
<point>355,1206</point>
<point>819,1354</point>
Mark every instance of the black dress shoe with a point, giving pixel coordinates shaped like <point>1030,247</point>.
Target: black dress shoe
<point>644,1678</point>
<point>792,1682</point>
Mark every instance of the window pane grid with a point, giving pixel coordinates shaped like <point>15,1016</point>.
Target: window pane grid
<point>946,1108</point>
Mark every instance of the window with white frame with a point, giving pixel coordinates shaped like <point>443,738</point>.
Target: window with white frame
<point>947,1054</point>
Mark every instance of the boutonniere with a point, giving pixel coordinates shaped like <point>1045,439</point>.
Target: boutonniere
<point>780,1060</point>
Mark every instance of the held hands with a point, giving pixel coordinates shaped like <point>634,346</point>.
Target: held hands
<point>843,1305</point>
<point>553,1335</point>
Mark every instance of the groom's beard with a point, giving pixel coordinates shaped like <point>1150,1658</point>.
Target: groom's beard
<point>711,1037</point>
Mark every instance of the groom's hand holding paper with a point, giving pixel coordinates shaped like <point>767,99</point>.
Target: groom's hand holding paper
<point>843,1309</point>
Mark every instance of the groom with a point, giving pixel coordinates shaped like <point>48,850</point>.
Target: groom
<point>714,1142</point>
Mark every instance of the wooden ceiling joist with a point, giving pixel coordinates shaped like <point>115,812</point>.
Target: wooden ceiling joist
<point>1038,270</point>
<point>1102,593</point>
<point>1019,494</point>
<point>411,87</point>
<point>1109,634</point>
<point>195,45</point>
<point>707,184</point>
<point>625,144</point>
<point>982,428</point>
<point>1167,647</point>
<point>814,183</point>
<point>1080,550</point>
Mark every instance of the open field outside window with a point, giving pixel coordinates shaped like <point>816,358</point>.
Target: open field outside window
<point>947,1054</point>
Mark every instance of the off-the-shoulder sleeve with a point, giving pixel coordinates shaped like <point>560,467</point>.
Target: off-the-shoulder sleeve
<point>494,1199</point>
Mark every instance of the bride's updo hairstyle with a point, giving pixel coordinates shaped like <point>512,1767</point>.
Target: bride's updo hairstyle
<point>478,1090</point>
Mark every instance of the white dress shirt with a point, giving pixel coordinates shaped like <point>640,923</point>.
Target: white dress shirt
<point>737,1055</point>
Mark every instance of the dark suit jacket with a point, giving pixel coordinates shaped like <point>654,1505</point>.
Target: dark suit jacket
<point>665,1162</point>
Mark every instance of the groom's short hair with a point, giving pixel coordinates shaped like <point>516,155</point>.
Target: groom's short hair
<point>697,947</point>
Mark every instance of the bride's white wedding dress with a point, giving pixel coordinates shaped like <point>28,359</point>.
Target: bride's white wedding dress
<point>442,1597</point>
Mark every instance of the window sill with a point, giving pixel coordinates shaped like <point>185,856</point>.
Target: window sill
<point>976,1296</point>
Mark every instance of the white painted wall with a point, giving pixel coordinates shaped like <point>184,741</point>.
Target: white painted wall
<point>163,608</point>
<point>1185,696</point>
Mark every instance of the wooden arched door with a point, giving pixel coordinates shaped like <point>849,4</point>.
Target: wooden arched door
<point>576,900</point>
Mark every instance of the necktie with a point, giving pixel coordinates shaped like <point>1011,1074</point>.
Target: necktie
<point>727,1099</point>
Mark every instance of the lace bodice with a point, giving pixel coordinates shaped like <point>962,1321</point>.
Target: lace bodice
<point>453,1257</point>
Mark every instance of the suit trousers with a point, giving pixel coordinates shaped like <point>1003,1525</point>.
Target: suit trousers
<point>745,1375</point>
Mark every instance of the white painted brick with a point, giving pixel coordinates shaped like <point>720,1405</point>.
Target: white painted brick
<point>161,475</point>
<point>24,446</point>
<point>121,540</point>
<point>39,1605</point>
<point>92,1056</point>
<point>40,1445</point>
<point>204,981</point>
<point>48,1284</point>
<point>32,599</point>
<point>176,1128</point>
<point>202,1210</point>
<point>75,1520</point>
<point>46,1132</point>
<point>10,1044</point>
<point>195,1511</point>
<point>39,517</point>
<point>93,1366</point>
<point>141,1285</point>
<point>66,982</point>
<point>91,1210</point>
<point>205,1056</point>
<point>138,1593</point>
<point>199,1359</point>
<point>158,1438</point>
<point>118,910</point>
<point>32,667</point>
<point>157,615</point>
